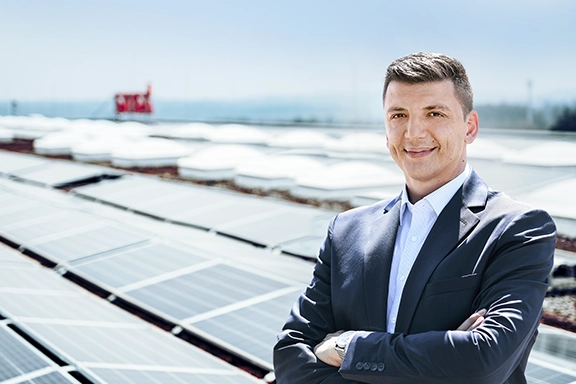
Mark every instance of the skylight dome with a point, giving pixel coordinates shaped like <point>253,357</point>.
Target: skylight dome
<point>275,172</point>
<point>300,138</point>
<point>216,162</point>
<point>343,180</point>
<point>238,134</point>
<point>150,152</point>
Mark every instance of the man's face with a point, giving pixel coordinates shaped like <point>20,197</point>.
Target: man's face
<point>427,133</point>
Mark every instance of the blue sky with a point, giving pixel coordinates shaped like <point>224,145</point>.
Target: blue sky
<point>252,49</point>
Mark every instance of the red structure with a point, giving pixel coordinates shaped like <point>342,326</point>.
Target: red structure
<point>134,102</point>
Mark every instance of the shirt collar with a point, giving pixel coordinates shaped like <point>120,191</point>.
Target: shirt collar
<point>440,197</point>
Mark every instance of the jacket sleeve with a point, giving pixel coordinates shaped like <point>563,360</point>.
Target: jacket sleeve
<point>513,287</point>
<point>310,320</point>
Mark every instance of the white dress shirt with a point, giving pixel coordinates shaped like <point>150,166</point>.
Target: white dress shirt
<point>416,221</point>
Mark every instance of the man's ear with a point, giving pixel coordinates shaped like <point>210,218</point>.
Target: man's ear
<point>472,127</point>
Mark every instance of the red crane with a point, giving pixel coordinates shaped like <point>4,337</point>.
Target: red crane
<point>134,102</point>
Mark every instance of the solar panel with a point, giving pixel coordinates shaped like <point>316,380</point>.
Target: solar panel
<point>204,290</point>
<point>306,247</point>
<point>128,344</point>
<point>252,329</point>
<point>129,191</point>
<point>60,173</point>
<point>141,375</point>
<point>513,178</point>
<point>48,225</point>
<point>10,256</point>
<point>158,197</point>
<point>65,306</point>
<point>109,190</point>
<point>296,223</point>
<point>32,278</point>
<point>10,201</point>
<point>193,199</point>
<point>17,357</point>
<point>145,192</point>
<point>537,374</point>
<point>92,242</point>
<point>22,212</point>
<point>12,162</point>
<point>231,213</point>
<point>137,264</point>
<point>51,378</point>
<point>557,343</point>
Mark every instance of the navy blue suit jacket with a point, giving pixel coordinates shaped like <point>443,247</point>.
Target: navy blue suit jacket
<point>484,251</point>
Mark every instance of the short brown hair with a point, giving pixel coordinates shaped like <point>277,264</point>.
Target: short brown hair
<point>424,67</point>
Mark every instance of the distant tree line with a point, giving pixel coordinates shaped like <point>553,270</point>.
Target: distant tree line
<point>512,116</point>
<point>566,121</point>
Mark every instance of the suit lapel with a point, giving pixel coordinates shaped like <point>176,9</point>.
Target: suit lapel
<point>454,223</point>
<point>377,260</point>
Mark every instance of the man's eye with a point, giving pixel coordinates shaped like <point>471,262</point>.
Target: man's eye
<point>435,114</point>
<point>398,115</point>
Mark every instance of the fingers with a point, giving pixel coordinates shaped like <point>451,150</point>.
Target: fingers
<point>477,323</point>
<point>473,321</point>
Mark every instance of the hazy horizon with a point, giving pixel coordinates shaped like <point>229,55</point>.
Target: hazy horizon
<point>279,110</point>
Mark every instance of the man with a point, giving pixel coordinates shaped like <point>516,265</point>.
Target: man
<point>442,284</point>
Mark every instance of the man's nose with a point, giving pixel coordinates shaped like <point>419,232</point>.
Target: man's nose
<point>415,129</point>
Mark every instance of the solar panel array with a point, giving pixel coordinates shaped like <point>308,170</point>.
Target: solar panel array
<point>184,277</point>
<point>261,221</point>
<point>200,290</point>
<point>88,335</point>
<point>192,287</point>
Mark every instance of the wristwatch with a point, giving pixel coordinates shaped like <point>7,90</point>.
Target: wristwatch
<point>342,343</point>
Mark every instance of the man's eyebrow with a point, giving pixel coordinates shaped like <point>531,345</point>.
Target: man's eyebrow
<point>436,107</point>
<point>395,109</point>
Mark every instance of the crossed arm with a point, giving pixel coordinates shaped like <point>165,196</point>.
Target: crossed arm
<point>326,352</point>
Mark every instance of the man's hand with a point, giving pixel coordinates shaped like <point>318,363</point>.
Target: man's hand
<point>325,350</point>
<point>473,321</point>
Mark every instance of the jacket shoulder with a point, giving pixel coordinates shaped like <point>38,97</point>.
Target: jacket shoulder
<point>502,203</point>
<point>366,212</point>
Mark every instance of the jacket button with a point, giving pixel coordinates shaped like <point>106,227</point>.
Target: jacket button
<point>381,367</point>
<point>359,366</point>
<point>366,366</point>
<point>373,367</point>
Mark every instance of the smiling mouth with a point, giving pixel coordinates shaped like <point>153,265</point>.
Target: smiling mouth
<point>417,153</point>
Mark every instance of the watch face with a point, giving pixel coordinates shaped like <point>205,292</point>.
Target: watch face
<point>344,339</point>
